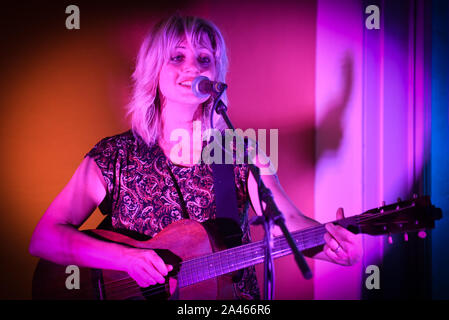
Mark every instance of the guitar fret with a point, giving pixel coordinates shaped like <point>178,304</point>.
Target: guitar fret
<point>233,259</point>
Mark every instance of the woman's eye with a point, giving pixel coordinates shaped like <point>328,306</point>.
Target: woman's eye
<point>204,60</point>
<point>177,58</point>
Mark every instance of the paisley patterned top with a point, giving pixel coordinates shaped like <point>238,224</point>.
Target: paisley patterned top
<point>141,195</point>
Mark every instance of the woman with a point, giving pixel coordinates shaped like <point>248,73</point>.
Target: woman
<point>135,178</point>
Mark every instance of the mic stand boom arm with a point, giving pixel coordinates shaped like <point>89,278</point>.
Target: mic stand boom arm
<point>271,215</point>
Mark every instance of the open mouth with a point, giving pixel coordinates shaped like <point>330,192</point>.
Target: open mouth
<point>186,83</point>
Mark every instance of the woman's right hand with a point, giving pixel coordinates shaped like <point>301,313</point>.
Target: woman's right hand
<point>146,267</point>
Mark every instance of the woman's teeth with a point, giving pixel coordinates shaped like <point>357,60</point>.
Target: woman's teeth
<point>186,83</point>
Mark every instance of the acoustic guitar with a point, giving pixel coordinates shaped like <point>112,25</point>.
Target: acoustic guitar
<point>206,258</point>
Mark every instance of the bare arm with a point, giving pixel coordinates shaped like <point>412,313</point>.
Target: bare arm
<point>56,237</point>
<point>294,218</point>
<point>336,236</point>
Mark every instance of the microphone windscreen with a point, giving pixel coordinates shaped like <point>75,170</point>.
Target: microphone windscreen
<point>199,87</point>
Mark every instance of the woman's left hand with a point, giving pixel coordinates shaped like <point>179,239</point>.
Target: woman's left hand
<point>342,246</point>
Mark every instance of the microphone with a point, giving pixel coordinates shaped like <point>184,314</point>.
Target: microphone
<point>202,87</point>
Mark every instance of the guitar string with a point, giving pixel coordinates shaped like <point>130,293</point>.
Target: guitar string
<point>246,262</point>
<point>161,288</point>
<point>303,232</point>
<point>309,232</point>
<point>278,240</point>
<point>194,280</point>
<point>248,248</point>
<point>134,291</point>
<point>152,290</point>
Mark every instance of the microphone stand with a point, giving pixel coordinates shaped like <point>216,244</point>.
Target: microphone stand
<point>271,215</point>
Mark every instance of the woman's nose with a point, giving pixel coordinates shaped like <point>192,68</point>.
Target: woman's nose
<point>190,65</point>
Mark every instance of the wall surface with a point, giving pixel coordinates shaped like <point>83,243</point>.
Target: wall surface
<point>338,180</point>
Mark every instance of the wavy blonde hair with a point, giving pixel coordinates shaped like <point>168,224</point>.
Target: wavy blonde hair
<point>145,105</point>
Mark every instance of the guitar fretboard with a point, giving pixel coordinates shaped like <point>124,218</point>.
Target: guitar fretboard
<point>226,261</point>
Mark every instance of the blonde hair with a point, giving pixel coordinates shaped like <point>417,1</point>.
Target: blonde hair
<point>145,105</point>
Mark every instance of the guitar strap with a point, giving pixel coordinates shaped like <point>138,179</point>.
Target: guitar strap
<point>224,185</point>
<point>185,213</point>
<point>226,207</point>
<point>225,192</point>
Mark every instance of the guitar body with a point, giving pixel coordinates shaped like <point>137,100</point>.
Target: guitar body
<point>180,241</point>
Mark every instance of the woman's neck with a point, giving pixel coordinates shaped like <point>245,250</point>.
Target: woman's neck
<point>177,124</point>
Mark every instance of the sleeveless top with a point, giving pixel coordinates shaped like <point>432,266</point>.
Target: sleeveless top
<point>141,195</point>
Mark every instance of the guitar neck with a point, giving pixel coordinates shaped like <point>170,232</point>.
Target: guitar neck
<point>226,261</point>
<point>402,216</point>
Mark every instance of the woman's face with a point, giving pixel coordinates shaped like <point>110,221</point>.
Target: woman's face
<point>185,64</point>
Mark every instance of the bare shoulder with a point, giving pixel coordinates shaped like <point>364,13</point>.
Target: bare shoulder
<point>82,194</point>
<point>89,173</point>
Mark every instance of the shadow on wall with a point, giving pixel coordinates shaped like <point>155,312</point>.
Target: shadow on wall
<point>330,129</point>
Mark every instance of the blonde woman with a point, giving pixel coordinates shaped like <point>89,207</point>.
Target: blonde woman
<point>132,177</point>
